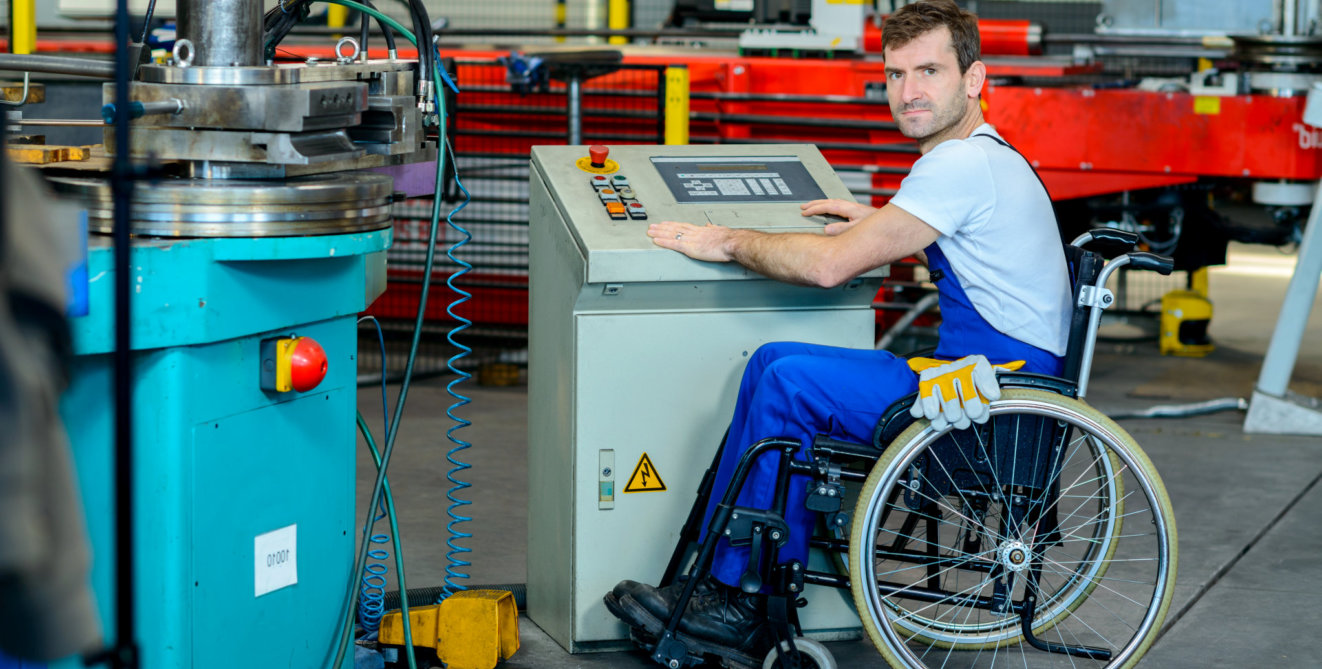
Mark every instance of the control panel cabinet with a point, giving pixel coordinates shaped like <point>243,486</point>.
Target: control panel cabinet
<point>635,355</point>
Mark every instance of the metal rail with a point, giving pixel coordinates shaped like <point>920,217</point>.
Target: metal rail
<point>83,67</point>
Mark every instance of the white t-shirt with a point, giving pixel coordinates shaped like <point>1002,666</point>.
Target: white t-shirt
<point>999,233</point>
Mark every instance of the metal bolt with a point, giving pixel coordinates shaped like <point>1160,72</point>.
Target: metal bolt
<point>795,566</point>
<point>727,531</point>
<point>794,588</point>
<point>734,516</point>
<point>673,664</point>
<point>606,471</point>
<point>775,535</point>
<point>830,493</point>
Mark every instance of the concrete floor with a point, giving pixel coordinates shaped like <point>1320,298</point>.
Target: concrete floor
<point>1248,506</point>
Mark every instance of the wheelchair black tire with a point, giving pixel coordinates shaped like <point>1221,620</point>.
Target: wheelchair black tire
<point>890,625</point>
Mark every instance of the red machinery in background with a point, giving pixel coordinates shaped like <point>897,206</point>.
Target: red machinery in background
<point>1085,141</point>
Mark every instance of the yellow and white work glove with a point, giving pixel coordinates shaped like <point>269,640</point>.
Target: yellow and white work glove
<point>956,392</point>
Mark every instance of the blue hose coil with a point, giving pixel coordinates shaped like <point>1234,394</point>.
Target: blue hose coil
<point>372,603</point>
<point>456,563</point>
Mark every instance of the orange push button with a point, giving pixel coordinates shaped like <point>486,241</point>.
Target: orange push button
<point>616,210</point>
<point>292,363</point>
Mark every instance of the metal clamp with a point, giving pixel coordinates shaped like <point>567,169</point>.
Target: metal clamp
<point>1095,296</point>
<point>183,46</point>
<point>339,46</point>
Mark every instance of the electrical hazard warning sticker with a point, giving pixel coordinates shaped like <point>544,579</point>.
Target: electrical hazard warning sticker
<point>645,478</point>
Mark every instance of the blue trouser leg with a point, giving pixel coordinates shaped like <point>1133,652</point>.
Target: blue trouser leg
<point>798,391</point>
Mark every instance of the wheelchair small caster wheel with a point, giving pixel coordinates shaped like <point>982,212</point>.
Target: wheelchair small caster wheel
<point>812,655</point>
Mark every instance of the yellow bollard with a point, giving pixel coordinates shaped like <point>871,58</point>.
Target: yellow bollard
<point>23,20</point>
<point>677,105</point>
<point>617,18</point>
<point>471,629</point>
<point>336,17</point>
<point>560,15</point>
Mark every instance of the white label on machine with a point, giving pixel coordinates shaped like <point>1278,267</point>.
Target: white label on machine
<point>275,560</point>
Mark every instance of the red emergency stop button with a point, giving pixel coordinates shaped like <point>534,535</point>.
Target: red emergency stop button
<point>307,364</point>
<point>597,153</point>
<point>292,363</point>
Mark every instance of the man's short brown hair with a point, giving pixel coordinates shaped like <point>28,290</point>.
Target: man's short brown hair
<point>912,21</point>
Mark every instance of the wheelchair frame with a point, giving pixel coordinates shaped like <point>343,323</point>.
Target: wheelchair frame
<point>766,531</point>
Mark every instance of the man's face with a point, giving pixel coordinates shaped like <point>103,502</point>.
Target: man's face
<point>927,93</point>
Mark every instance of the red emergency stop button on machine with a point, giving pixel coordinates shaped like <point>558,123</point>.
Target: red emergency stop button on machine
<point>307,364</point>
<point>598,162</point>
<point>292,363</point>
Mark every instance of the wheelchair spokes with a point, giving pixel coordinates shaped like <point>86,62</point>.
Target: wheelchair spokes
<point>984,543</point>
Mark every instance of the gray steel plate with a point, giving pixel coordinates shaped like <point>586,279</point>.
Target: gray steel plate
<point>313,205</point>
<point>283,73</point>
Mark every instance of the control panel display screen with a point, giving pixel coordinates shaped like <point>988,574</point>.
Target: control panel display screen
<point>728,180</point>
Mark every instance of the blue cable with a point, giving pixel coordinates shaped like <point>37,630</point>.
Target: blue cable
<point>372,603</point>
<point>455,562</point>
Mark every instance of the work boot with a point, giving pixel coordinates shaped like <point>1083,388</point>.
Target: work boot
<point>716,613</point>
<point>659,602</point>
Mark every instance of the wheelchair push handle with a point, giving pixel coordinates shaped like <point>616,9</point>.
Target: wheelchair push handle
<point>1151,261</point>
<point>1107,235</point>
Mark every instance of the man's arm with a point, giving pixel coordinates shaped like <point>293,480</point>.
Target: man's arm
<point>884,236</point>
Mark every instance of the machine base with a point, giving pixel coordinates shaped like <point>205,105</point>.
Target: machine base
<point>1292,414</point>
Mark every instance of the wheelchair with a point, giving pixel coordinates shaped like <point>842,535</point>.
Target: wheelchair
<point>1043,537</point>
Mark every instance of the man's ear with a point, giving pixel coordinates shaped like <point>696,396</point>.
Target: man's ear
<point>976,76</point>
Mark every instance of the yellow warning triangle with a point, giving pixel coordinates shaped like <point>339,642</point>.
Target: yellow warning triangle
<point>645,478</point>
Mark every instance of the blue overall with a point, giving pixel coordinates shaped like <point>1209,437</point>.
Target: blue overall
<point>801,390</point>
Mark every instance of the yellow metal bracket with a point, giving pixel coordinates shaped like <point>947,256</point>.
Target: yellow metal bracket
<point>43,154</point>
<point>471,629</point>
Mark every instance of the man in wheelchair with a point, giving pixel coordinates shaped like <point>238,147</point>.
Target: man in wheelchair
<point>973,210</point>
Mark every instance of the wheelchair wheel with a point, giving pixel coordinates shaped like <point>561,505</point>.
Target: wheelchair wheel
<point>1096,504</point>
<point>966,533</point>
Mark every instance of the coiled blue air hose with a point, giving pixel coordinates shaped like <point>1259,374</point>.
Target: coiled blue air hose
<point>452,569</point>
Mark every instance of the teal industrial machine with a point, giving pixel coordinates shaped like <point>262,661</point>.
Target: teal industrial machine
<point>254,248</point>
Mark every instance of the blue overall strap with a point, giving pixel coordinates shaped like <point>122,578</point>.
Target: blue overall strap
<point>964,331</point>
